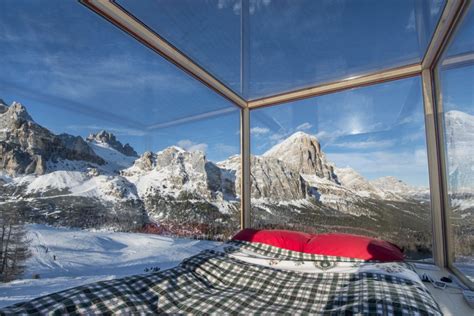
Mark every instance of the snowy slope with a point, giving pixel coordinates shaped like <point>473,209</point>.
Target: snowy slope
<point>351,179</point>
<point>115,160</point>
<point>399,188</point>
<point>78,183</point>
<point>84,256</point>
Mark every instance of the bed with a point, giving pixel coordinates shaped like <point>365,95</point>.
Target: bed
<point>248,277</point>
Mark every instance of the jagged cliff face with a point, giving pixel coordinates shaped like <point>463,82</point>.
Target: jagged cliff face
<point>183,187</point>
<point>109,139</point>
<point>26,147</point>
<point>59,179</point>
<point>302,152</point>
<point>270,178</point>
<point>173,171</point>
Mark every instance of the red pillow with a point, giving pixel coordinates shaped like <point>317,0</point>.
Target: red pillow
<point>353,246</point>
<point>285,239</point>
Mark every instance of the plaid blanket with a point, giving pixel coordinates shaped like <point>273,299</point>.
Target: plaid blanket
<point>215,282</point>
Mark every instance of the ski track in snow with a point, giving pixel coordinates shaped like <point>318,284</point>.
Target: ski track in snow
<point>84,256</point>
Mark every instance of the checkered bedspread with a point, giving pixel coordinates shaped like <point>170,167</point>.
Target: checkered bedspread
<point>216,282</point>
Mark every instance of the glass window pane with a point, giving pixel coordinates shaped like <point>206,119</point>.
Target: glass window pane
<point>264,47</point>
<point>297,44</point>
<point>456,79</point>
<point>353,161</point>
<point>207,31</point>
<point>100,139</point>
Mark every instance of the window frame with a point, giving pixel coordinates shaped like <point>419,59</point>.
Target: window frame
<point>453,12</point>
<point>449,252</point>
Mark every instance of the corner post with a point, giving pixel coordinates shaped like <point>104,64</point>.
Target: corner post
<point>436,169</point>
<point>245,168</point>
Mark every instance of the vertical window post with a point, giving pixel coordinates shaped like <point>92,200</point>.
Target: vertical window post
<point>245,168</point>
<point>436,170</point>
<point>245,205</point>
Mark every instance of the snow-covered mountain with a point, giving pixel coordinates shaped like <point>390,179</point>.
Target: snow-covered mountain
<point>460,149</point>
<point>110,141</point>
<point>175,181</point>
<point>62,179</point>
<point>460,156</point>
<point>98,182</point>
<point>26,147</point>
<point>302,152</point>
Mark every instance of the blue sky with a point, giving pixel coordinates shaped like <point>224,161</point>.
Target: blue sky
<point>360,128</point>
<point>78,74</point>
<point>331,39</point>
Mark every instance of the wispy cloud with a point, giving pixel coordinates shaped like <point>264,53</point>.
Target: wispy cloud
<point>304,126</point>
<point>114,130</point>
<point>192,146</point>
<point>236,5</point>
<point>411,23</point>
<point>368,144</point>
<point>259,130</point>
<point>410,166</point>
<point>41,50</point>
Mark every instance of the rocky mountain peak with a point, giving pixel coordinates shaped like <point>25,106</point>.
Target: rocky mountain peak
<point>26,147</point>
<point>174,170</point>
<point>302,152</point>
<point>175,155</point>
<point>14,115</point>
<point>351,179</point>
<point>107,138</point>
<point>146,162</point>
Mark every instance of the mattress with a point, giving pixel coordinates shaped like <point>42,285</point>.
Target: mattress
<point>251,278</point>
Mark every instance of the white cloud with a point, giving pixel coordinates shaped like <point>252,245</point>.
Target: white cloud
<point>304,126</point>
<point>259,130</point>
<point>410,26</point>
<point>236,5</point>
<point>189,145</point>
<point>365,144</point>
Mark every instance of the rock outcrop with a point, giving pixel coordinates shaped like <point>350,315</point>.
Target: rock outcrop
<point>108,138</point>
<point>303,153</point>
<point>174,170</point>
<point>26,147</point>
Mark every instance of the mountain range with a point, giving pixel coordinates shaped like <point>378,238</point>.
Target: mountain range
<point>98,182</point>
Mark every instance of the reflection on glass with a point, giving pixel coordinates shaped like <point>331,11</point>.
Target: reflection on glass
<point>207,31</point>
<point>353,161</point>
<point>264,47</point>
<point>293,46</point>
<point>98,134</point>
<point>456,72</point>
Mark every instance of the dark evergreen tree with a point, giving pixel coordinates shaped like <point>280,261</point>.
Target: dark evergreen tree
<point>13,246</point>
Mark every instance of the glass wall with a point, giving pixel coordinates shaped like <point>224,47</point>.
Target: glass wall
<point>99,134</point>
<point>456,79</point>
<point>262,47</point>
<point>353,161</point>
<point>296,46</point>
